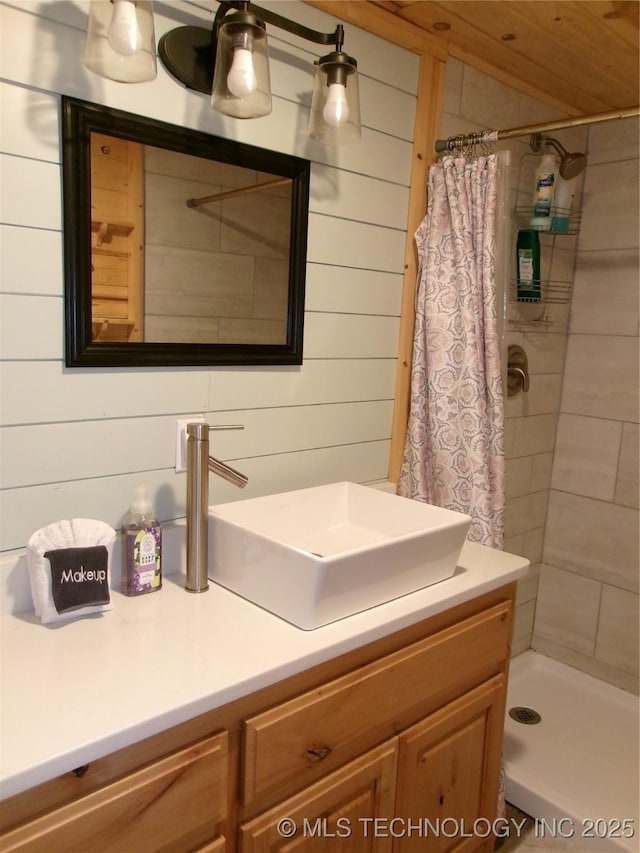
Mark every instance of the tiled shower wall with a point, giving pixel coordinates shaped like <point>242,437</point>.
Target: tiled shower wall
<point>587,608</point>
<point>572,441</point>
<point>474,101</point>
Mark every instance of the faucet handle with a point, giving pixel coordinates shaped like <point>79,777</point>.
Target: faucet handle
<point>221,468</point>
<point>200,429</point>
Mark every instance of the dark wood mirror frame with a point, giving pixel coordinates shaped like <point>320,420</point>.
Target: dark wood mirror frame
<point>79,120</point>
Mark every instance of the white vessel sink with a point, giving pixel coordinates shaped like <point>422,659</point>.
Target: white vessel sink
<point>316,555</point>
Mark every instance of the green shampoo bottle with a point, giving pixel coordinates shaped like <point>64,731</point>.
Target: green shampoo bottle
<point>528,274</point>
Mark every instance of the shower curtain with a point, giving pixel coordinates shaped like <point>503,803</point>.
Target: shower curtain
<point>454,449</point>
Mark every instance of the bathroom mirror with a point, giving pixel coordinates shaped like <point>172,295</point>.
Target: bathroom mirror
<point>180,248</point>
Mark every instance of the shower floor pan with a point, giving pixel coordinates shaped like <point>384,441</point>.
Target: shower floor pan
<point>576,770</point>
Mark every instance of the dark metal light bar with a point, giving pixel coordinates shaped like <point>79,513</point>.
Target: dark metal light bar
<point>188,53</point>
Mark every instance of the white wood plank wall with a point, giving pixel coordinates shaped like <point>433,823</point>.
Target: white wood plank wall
<point>75,442</point>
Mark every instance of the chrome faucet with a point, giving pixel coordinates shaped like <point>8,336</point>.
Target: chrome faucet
<point>199,463</point>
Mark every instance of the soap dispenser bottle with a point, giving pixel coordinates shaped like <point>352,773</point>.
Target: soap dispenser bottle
<point>142,566</point>
<point>545,184</point>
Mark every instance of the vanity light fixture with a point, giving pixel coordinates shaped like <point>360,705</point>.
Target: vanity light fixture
<point>229,62</point>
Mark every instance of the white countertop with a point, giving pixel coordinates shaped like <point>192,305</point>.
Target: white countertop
<point>80,690</point>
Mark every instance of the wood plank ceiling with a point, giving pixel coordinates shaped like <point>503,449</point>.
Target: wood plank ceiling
<point>581,54</point>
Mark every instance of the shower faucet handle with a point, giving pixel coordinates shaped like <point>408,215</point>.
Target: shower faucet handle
<point>522,377</point>
<point>517,370</point>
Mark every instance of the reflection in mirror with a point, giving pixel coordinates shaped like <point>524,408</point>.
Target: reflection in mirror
<point>215,265</point>
<point>180,247</point>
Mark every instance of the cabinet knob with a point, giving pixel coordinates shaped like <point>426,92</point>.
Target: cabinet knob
<point>317,753</point>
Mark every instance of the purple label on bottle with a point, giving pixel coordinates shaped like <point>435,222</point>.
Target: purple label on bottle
<point>143,547</point>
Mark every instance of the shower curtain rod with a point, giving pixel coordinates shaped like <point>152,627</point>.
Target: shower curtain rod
<point>487,136</point>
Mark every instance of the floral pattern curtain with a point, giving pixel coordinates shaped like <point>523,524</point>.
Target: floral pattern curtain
<point>454,450</point>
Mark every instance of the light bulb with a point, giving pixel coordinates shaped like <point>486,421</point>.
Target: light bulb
<point>241,79</point>
<point>124,34</point>
<point>336,110</point>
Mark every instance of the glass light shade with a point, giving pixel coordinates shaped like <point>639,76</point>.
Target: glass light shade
<point>335,104</point>
<point>241,84</point>
<point>120,43</point>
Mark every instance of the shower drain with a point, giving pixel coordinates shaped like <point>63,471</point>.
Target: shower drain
<point>522,714</point>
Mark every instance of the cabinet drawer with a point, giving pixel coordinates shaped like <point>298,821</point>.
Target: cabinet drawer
<point>176,803</point>
<point>296,742</point>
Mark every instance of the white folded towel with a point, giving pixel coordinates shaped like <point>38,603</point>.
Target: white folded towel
<point>74,533</point>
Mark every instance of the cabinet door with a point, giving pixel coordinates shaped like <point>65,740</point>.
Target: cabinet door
<point>335,815</point>
<point>448,766</point>
<point>176,803</point>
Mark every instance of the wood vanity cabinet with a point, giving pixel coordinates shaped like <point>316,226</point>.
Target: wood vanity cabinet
<point>391,748</point>
<point>437,705</point>
<point>380,801</point>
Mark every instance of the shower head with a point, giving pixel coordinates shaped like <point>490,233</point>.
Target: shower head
<point>571,165</point>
